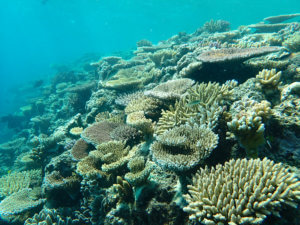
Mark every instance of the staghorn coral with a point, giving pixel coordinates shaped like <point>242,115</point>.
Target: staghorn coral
<point>19,205</point>
<point>201,106</point>
<point>98,132</point>
<point>139,171</point>
<point>234,54</point>
<point>17,181</point>
<point>241,192</point>
<point>170,90</point>
<point>49,216</point>
<point>247,124</point>
<point>183,147</point>
<point>113,155</point>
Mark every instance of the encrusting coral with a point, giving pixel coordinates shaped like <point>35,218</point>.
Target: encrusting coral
<point>184,147</point>
<point>241,192</point>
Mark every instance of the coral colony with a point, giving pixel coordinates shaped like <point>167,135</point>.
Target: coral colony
<point>201,128</point>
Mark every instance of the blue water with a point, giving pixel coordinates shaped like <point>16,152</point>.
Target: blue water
<point>37,34</point>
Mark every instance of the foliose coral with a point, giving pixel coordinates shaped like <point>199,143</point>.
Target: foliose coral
<point>184,147</point>
<point>241,192</point>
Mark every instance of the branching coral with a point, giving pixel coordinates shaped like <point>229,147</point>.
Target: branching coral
<point>183,147</point>
<point>268,81</point>
<point>17,181</point>
<point>49,216</point>
<point>241,192</point>
<point>140,122</point>
<point>202,105</point>
<point>247,124</point>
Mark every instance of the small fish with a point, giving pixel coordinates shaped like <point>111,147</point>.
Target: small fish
<point>9,172</point>
<point>192,103</point>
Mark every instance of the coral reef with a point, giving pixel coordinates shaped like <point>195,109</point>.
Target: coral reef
<point>241,192</point>
<point>117,141</point>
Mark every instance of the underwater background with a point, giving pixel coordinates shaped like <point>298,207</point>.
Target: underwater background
<point>38,35</point>
<point>149,112</point>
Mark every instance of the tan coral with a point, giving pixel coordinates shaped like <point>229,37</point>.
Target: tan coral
<point>139,171</point>
<point>184,147</point>
<point>269,79</point>
<point>241,192</point>
<point>76,131</point>
<point>140,122</point>
<point>113,155</point>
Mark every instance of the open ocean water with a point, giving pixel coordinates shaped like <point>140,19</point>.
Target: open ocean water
<point>86,138</point>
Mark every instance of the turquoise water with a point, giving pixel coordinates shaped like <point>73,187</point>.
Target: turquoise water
<point>37,34</point>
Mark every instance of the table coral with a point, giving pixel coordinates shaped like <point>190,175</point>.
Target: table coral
<point>234,54</point>
<point>99,132</point>
<point>170,90</point>
<point>183,147</point>
<point>241,192</point>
